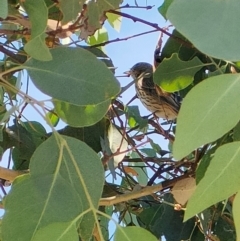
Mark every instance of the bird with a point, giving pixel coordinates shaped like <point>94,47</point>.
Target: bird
<point>162,104</point>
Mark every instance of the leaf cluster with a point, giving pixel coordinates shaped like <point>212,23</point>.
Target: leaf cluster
<point>64,189</point>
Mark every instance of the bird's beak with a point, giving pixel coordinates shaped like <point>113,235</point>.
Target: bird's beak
<point>128,73</point>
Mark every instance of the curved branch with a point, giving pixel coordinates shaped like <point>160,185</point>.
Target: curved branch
<point>10,175</point>
<point>148,190</point>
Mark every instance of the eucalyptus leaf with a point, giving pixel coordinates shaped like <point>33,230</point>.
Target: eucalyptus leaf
<point>75,76</point>
<point>174,74</point>
<point>27,137</point>
<point>61,185</point>
<point>48,202</point>
<point>215,100</point>
<point>114,20</point>
<point>90,135</point>
<point>209,32</point>
<point>36,47</point>
<point>57,231</point>
<point>97,9</point>
<point>70,9</point>
<point>222,174</point>
<point>52,118</point>
<point>134,117</point>
<point>79,116</point>
<point>164,7</point>
<point>100,36</point>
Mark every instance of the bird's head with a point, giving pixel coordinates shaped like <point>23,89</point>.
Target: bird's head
<point>141,69</point>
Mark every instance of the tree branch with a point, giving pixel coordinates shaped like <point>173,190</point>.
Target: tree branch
<point>122,39</point>
<point>12,55</point>
<point>129,6</point>
<point>148,190</point>
<point>9,174</point>
<point>153,25</point>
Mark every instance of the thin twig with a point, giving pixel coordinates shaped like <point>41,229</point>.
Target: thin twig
<point>122,39</point>
<point>153,25</point>
<point>12,55</point>
<point>129,6</point>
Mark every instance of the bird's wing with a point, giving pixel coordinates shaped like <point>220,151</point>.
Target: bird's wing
<point>172,99</point>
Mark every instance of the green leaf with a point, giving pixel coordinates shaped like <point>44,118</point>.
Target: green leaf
<point>104,221</point>
<point>38,14</point>
<point>203,165</point>
<point>206,159</point>
<point>70,9</point>
<point>149,152</point>
<point>174,74</point>
<point>36,130</point>
<point>53,118</point>
<point>115,20</point>
<point>5,117</point>
<point>101,56</point>
<point>12,93</point>
<point>79,116</point>
<point>222,27</point>
<point>90,135</point>
<point>164,7</point>
<point>53,10</point>
<point>47,206</point>
<point>96,10</point>
<point>172,46</point>
<point>152,216</point>
<point>100,36</point>
<point>155,146</point>
<point>57,231</point>
<point>134,117</point>
<point>133,233</point>
<point>3,9</point>
<point>74,76</point>
<point>61,186</point>
<point>28,136</point>
<point>208,111</point>
<point>221,180</point>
